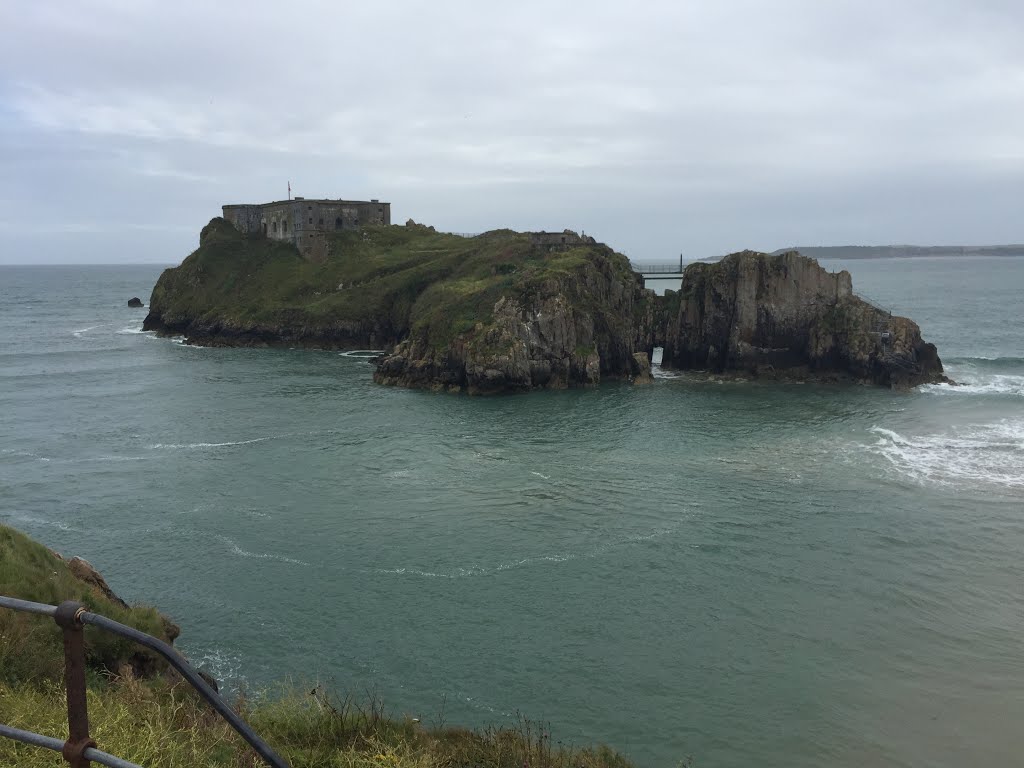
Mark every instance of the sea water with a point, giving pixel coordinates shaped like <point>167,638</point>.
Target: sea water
<point>742,572</point>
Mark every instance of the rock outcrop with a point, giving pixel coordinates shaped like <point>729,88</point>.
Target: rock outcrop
<point>785,316</point>
<point>135,302</point>
<point>567,328</point>
<point>83,571</point>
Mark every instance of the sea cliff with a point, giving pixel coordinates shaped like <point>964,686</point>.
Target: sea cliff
<point>493,313</point>
<point>507,312</point>
<point>785,316</point>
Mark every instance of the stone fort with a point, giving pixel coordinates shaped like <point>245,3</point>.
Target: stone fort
<point>306,223</point>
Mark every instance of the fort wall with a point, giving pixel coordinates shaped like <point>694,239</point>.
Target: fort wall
<point>306,223</point>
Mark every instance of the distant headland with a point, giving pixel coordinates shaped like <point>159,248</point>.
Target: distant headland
<point>903,251</point>
<point>507,311</point>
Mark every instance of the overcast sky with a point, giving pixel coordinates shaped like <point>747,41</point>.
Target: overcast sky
<point>686,126</point>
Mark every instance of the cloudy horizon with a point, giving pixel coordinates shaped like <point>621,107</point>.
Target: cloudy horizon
<point>662,129</point>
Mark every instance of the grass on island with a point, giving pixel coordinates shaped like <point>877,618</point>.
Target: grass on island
<point>159,722</point>
<point>396,279</point>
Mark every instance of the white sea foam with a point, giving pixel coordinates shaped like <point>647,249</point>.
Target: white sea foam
<point>32,520</point>
<point>226,668</point>
<point>538,474</point>
<point>974,384</point>
<point>82,331</point>
<point>977,454</point>
<point>237,550</point>
<point>132,330</point>
<point>190,446</point>
<point>362,353</point>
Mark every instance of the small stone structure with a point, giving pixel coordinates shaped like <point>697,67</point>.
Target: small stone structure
<point>305,223</point>
<point>559,240</point>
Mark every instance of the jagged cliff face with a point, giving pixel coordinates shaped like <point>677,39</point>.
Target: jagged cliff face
<point>569,329</point>
<point>787,316</point>
<point>503,313</point>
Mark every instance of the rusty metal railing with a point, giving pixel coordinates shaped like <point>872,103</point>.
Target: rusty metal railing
<point>79,750</point>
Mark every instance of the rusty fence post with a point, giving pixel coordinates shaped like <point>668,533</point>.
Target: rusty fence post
<point>67,618</point>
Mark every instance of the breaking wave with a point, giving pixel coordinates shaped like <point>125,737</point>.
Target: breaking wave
<point>192,446</point>
<point>983,376</point>
<point>982,454</point>
<point>237,550</point>
<point>362,353</point>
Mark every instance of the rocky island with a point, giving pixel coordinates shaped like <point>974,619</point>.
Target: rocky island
<point>512,312</point>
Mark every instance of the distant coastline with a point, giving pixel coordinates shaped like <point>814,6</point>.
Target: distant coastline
<point>903,251</point>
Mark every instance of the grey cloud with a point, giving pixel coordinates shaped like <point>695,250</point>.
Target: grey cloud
<point>660,127</point>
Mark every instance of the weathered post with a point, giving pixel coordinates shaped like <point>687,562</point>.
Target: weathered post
<point>67,618</point>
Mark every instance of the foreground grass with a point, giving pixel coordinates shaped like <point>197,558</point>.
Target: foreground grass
<point>159,724</point>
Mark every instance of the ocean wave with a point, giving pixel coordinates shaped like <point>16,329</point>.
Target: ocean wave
<point>132,330</point>
<point>362,353</point>
<point>969,383</point>
<point>657,372</point>
<point>224,667</point>
<point>82,331</point>
<point>237,550</point>
<point>983,454</point>
<point>1002,363</point>
<point>192,446</point>
<point>558,557</point>
<point>60,525</point>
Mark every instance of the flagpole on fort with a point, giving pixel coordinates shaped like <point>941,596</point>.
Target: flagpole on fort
<point>289,190</point>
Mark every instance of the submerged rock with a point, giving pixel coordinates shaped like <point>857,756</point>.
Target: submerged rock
<point>785,316</point>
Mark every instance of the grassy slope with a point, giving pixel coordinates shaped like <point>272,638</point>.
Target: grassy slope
<point>403,278</point>
<point>157,722</point>
<point>30,571</point>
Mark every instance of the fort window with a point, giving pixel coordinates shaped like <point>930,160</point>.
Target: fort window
<point>338,223</point>
<point>310,219</point>
<point>273,227</point>
<point>321,222</point>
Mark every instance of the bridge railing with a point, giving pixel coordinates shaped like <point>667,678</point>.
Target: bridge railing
<point>669,268</point>
<point>80,750</point>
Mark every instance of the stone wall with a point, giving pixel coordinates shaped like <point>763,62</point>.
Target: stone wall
<point>564,239</point>
<point>305,223</point>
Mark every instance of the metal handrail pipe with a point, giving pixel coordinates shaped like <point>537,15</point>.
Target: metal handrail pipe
<point>48,742</point>
<point>204,689</point>
<point>27,606</point>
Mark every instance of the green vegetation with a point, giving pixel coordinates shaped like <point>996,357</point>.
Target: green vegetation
<point>159,725</point>
<point>30,571</point>
<point>159,722</point>
<point>386,281</point>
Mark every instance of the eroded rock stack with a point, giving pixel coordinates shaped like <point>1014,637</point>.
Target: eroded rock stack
<point>785,316</point>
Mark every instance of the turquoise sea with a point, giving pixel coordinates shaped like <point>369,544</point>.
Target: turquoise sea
<point>749,574</point>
